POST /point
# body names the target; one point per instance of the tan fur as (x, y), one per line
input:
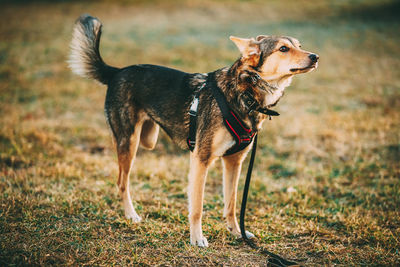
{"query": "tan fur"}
(247, 47)
(278, 64)
(149, 134)
(222, 141)
(197, 180)
(125, 158)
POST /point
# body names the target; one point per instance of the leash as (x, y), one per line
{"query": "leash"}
(273, 259)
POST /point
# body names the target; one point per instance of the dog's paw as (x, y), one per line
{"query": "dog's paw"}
(249, 235)
(237, 233)
(200, 242)
(133, 216)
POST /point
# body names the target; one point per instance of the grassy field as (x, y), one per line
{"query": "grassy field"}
(325, 190)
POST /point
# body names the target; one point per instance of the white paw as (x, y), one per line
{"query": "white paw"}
(237, 233)
(249, 235)
(133, 216)
(200, 242)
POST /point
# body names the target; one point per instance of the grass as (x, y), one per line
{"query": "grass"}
(326, 186)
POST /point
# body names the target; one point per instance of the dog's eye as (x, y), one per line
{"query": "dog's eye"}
(284, 48)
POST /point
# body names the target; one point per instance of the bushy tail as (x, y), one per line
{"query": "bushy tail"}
(85, 59)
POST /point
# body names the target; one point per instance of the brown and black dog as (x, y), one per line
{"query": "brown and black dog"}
(141, 98)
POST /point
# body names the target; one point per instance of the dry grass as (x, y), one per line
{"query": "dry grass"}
(337, 142)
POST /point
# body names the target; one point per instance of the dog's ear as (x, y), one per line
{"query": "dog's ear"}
(260, 37)
(247, 47)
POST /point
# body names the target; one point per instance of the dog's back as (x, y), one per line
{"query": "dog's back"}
(162, 93)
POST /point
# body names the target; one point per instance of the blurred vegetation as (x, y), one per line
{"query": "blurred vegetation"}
(326, 186)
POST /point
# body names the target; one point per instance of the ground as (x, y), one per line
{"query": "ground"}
(326, 187)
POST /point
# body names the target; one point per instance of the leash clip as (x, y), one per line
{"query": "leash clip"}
(195, 103)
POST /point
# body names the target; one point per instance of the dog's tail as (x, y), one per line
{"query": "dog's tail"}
(85, 59)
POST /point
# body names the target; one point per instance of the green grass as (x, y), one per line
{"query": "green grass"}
(326, 186)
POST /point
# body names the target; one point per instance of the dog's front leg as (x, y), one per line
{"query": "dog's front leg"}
(232, 166)
(197, 179)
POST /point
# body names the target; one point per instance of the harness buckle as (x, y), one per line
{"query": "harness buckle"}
(202, 86)
(245, 139)
(194, 106)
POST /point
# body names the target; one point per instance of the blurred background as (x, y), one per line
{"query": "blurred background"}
(326, 186)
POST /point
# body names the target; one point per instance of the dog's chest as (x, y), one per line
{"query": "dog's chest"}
(222, 141)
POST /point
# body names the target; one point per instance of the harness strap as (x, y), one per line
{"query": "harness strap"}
(191, 140)
(237, 128)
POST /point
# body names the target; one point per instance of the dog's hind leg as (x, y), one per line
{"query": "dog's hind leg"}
(126, 149)
(149, 134)
(231, 167)
(126, 125)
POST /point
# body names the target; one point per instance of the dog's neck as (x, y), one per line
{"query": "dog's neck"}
(272, 96)
(229, 82)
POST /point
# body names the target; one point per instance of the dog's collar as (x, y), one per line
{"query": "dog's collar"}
(251, 103)
(253, 106)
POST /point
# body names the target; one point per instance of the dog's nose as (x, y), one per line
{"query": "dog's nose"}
(313, 57)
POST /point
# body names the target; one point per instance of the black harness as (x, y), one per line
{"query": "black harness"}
(242, 134)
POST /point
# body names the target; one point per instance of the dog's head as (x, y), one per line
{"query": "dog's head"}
(274, 58)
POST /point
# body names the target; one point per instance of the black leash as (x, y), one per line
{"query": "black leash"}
(273, 259)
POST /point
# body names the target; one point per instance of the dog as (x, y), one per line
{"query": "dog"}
(142, 98)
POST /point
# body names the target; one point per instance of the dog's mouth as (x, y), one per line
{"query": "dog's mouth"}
(310, 67)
